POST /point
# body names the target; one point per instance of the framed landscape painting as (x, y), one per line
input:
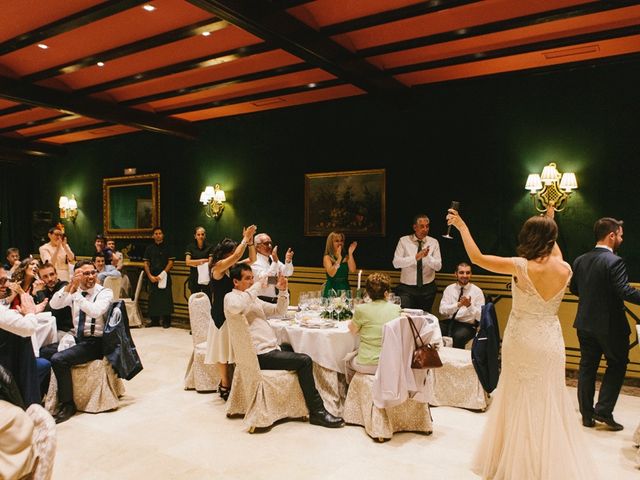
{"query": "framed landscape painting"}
(350, 202)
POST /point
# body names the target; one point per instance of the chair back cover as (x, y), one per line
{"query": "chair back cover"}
(199, 317)
(114, 284)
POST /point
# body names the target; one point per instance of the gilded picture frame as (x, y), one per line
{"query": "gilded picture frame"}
(351, 202)
(131, 205)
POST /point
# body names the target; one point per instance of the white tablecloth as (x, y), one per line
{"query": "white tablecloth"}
(46, 332)
(326, 346)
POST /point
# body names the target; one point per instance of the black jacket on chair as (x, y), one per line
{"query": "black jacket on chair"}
(600, 280)
(117, 344)
(486, 347)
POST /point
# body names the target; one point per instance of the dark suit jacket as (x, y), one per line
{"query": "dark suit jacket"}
(600, 280)
(486, 348)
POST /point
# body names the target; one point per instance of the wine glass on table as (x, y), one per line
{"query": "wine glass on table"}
(454, 206)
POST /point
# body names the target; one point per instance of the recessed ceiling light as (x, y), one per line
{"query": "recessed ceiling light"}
(206, 34)
(43, 46)
(312, 85)
(100, 64)
(148, 7)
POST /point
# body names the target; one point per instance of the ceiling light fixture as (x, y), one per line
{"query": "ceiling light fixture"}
(100, 64)
(206, 34)
(148, 7)
(43, 46)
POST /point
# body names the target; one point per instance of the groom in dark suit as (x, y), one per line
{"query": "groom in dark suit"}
(600, 280)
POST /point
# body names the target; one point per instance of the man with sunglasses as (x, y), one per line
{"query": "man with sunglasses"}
(89, 302)
(268, 265)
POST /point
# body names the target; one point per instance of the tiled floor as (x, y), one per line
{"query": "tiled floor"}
(163, 432)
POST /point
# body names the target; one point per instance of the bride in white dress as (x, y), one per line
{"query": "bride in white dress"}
(533, 430)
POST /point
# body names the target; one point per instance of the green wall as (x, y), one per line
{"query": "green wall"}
(473, 141)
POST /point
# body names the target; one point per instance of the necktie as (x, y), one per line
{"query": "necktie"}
(459, 298)
(419, 281)
(81, 319)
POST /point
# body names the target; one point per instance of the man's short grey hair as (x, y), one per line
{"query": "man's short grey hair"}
(259, 238)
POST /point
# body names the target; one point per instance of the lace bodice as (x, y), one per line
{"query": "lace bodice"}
(526, 299)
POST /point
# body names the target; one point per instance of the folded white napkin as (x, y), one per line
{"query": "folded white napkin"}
(203, 274)
(162, 283)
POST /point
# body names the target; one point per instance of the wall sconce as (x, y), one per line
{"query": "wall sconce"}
(212, 198)
(68, 208)
(551, 189)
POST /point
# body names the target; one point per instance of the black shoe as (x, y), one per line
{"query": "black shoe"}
(609, 421)
(325, 419)
(588, 422)
(166, 325)
(67, 411)
(153, 324)
(224, 392)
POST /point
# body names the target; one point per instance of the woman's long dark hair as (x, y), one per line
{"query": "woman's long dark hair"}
(20, 275)
(222, 249)
(537, 237)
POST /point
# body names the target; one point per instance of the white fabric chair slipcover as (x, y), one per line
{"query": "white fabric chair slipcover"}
(200, 376)
(408, 415)
(133, 309)
(44, 442)
(263, 396)
(96, 388)
(456, 383)
(114, 284)
(636, 442)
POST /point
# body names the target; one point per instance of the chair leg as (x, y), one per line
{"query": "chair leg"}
(252, 429)
(381, 440)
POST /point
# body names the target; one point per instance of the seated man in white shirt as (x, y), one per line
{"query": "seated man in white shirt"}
(243, 300)
(103, 269)
(460, 307)
(89, 303)
(268, 265)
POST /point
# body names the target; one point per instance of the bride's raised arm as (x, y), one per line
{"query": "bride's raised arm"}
(492, 263)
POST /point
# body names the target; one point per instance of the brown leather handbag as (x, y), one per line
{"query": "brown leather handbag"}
(425, 355)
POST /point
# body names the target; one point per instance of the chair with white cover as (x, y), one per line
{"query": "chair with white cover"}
(262, 396)
(404, 413)
(96, 387)
(200, 376)
(114, 284)
(44, 442)
(133, 309)
(636, 442)
(456, 384)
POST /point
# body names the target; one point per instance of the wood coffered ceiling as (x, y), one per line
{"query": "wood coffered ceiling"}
(112, 67)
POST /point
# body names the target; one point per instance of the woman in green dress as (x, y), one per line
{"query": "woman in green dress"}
(336, 265)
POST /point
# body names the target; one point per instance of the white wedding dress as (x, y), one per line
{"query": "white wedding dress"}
(533, 431)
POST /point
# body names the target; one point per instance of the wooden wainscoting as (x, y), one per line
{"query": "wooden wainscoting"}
(497, 286)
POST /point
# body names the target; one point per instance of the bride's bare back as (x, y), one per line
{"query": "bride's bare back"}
(549, 275)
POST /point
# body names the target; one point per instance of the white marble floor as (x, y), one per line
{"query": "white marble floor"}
(161, 431)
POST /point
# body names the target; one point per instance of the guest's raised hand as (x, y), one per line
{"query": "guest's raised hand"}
(248, 233)
(288, 257)
(453, 218)
(274, 254)
(352, 247)
(27, 305)
(38, 285)
(282, 283)
(42, 305)
(339, 253)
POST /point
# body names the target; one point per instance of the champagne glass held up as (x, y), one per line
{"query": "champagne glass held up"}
(454, 206)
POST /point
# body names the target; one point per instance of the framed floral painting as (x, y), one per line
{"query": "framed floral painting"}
(350, 202)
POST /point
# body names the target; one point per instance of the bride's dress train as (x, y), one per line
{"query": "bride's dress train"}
(533, 430)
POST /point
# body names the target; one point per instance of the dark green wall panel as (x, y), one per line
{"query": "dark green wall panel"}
(473, 141)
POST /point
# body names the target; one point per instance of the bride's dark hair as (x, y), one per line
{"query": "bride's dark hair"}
(537, 237)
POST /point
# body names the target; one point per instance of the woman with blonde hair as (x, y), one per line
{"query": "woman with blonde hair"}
(337, 266)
